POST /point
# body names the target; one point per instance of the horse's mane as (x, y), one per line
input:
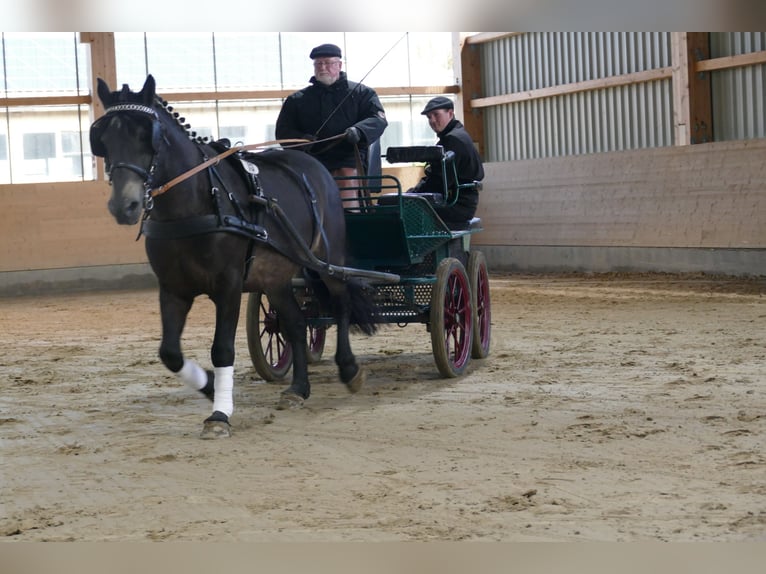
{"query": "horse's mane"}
(165, 107)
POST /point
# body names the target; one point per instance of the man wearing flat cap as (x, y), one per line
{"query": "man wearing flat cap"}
(334, 106)
(440, 112)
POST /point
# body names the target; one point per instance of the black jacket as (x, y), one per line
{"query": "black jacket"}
(346, 104)
(455, 138)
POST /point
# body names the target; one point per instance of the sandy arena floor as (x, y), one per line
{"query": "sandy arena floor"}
(611, 407)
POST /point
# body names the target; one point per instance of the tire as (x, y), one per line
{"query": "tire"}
(270, 353)
(480, 303)
(451, 319)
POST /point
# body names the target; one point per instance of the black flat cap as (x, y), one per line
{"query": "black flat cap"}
(438, 103)
(325, 51)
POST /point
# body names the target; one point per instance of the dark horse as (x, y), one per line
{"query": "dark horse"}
(244, 222)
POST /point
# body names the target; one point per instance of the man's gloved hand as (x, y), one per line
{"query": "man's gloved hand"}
(352, 135)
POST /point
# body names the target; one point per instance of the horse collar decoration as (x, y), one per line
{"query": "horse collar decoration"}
(213, 235)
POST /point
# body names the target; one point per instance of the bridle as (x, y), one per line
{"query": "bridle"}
(158, 138)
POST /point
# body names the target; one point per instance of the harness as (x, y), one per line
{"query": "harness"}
(246, 220)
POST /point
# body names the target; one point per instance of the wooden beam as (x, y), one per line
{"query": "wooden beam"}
(44, 101)
(601, 83)
(681, 116)
(473, 117)
(417, 90)
(221, 96)
(281, 94)
(484, 37)
(700, 90)
(104, 66)
(751, 59)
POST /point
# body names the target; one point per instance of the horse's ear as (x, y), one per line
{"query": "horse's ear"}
(103, 91)
(147, 92)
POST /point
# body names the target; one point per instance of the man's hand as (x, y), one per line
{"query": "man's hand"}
(353, 136)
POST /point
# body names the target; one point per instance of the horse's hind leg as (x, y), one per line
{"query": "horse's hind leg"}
(293, 325)
(174, 311)
(349, 371)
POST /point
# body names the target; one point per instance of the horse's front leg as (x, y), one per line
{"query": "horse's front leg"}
(174, 310)
(222, 354)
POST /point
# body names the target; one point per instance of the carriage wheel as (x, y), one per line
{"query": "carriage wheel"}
(451, 319)
(317, 337)
(482, 314)
(271, 354)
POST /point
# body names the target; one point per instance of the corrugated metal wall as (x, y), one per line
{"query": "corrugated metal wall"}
(609, 119)
(602, 120)
(738, 93)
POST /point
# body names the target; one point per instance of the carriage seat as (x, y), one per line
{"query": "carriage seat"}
(435, 199)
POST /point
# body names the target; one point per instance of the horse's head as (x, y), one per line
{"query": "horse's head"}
(129, 137)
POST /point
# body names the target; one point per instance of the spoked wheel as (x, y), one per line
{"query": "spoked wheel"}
(482, 314)
(271, 354)
(451, 318)
(317, 337)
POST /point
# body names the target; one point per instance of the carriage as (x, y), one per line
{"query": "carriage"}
(421, 270)
(273, 224)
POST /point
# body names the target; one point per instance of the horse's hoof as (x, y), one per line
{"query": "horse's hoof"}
(216, 426)
(356, 383)
(289, 401)
(215, 429)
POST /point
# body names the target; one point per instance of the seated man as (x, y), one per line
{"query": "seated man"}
(440, 112)
(333, 105)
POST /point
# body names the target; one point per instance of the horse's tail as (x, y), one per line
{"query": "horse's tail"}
(359, 298)
(363, 307)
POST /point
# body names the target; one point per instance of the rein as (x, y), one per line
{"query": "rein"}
(215, 160)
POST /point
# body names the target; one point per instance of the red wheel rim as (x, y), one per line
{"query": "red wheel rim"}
(276, 350)
(457, 320)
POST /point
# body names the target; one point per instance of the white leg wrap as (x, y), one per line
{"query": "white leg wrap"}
(192, 375)
(224, 385)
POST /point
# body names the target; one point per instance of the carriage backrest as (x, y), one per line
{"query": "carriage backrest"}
(399, 232)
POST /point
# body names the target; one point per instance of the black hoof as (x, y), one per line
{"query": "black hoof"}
(353, 376)
(357, 382)
(216, 426)
(289, 401)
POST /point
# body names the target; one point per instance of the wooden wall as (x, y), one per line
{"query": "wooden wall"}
(64, 225)
(709, 197)
(51, 226)
(702, 196)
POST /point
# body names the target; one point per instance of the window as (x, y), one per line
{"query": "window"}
(39, 146)
(48, 139)
(234, 133)
(70, 143)
(45, 67)
(245, 61)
